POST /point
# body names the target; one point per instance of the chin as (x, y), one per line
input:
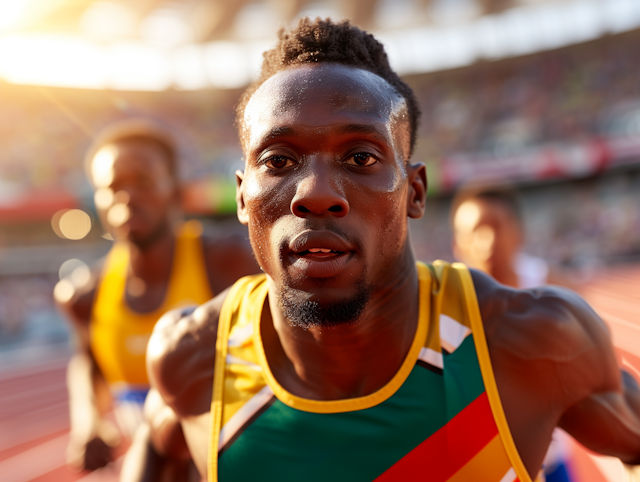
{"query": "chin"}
(324, 308)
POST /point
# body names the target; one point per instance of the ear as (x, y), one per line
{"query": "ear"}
(243, 217)
(417, 193)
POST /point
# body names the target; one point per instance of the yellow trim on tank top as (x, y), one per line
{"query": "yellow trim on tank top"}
(359, 403)
(239, 294)
(482, 351)
(236, 295)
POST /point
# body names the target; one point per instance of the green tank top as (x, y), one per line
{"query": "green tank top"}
(438, 419)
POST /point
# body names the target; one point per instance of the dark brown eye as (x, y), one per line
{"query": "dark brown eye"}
(279, 162)
(362, 159)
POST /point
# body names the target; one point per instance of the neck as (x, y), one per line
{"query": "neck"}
(352, 360)
(153, 261)
(504, 273)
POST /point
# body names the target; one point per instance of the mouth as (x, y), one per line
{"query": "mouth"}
(320, 254)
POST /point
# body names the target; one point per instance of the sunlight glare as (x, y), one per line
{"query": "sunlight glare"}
(51, 60)
(102, 166)
(11, 12)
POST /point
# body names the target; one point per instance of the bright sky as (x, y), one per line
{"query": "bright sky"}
(164, 56)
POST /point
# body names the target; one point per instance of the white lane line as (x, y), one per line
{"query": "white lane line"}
(35, 462)
(22, 371)
(37, 425)
(33, 392)
(26, 407)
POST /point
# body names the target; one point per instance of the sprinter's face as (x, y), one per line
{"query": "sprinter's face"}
(327, 187)
(486, 235)
(135, 191)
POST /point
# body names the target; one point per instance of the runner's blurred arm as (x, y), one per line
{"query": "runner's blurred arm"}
(91, 438)
(158, 450)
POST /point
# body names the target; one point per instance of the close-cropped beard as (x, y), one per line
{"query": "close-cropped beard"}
(304, 313)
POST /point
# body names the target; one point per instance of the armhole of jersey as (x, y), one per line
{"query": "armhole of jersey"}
(482, 350)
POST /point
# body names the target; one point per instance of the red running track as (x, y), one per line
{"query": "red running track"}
(34, 418)
(34, 426)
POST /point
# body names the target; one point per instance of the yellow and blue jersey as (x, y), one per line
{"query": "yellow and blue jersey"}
(119, 335)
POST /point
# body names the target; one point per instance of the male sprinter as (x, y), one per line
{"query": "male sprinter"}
(157, 263)
(346, 360)
(488, 235)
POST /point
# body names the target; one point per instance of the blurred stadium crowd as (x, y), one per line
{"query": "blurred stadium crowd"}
(568, 120)
(573, 94)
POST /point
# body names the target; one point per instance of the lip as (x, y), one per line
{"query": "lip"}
(310, 239)
(320, 265)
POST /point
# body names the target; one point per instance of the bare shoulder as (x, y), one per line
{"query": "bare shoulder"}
(181, 356)
(228, 259)
(549, 326)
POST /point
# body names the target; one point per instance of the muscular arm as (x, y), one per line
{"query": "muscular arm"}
(90, 438)
(180, 363)
(608, 421)
(161, 430)
(555, 366)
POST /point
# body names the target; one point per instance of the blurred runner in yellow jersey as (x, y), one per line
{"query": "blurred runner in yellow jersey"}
(158, 262)
(488, 235)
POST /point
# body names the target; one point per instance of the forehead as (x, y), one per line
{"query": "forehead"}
(317, 95)
(473, 212)
(127, 156)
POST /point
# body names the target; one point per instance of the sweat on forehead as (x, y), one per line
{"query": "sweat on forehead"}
(331, 87)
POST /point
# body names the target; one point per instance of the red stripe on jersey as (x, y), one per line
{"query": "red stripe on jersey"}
(444, 453)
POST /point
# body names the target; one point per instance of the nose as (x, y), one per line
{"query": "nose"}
(122, 197)
(317, 194)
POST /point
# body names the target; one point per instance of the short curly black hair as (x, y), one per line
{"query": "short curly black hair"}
(322, 40)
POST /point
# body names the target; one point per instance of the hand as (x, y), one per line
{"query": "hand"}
(632, 473)
(92, 455)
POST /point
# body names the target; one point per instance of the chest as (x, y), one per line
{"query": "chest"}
(434, 418)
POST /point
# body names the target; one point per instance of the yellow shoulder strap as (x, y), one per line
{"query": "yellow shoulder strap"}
(482, 350)
(230, 308)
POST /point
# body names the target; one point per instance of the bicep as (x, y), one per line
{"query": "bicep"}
(608, 422)
(607, 418)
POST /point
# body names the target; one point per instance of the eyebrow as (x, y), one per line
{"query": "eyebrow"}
(288, 131)
(279, 132)
(358, 129)
(347, 129)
